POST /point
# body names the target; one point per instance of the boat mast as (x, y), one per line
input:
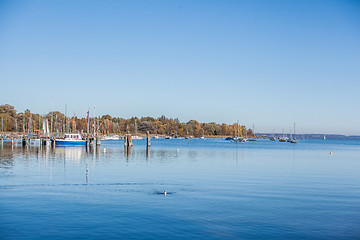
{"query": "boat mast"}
(237, 129)
(87, 116)
(65, 118)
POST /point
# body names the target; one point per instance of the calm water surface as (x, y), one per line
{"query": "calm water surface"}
(216, 190)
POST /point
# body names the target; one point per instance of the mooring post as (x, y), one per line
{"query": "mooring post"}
(98, 140)
(125, 140)
(148, 139)
(130, 142)
(24, 142)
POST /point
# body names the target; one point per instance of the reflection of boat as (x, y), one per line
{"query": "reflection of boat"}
(70, 139)
(111, 137)
(70, 153)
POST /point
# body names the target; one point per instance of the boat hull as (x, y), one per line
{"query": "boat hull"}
(70, 143)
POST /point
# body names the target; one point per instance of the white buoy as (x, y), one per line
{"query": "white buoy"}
(164, 193)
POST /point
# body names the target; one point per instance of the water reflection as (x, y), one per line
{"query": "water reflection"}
(70, 153)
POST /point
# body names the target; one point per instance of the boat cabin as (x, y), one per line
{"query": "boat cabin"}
(72, 136)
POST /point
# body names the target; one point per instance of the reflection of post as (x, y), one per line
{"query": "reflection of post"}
(127, 151)
(147, 152)
(97, 152)
(87, 169)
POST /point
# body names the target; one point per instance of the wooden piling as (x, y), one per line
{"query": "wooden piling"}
(126, 141)
(130, 142)
(98, 140)
(148, 139)
(24, 143)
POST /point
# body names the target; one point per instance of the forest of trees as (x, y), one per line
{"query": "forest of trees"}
(27, 122)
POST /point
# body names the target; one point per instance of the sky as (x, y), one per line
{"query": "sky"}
(264, 63)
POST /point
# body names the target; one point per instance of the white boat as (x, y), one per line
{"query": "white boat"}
(70, 139)
(156, 136)
(202, 137)
(111, 137)
(136, 137)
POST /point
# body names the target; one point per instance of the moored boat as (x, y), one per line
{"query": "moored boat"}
(111, 137)
(136, 137)
(70, 139)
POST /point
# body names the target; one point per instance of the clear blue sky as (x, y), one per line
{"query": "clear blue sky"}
(268, 63)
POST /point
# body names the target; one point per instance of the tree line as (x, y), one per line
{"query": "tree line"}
(27, 122)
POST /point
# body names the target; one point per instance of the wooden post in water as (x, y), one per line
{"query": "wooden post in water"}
(125, 140)
(130, 142)
(24, 142)
(98, 141)
(148, 139)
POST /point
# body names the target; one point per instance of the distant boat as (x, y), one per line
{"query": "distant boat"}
(202, 137)
(272, 138)
(283, 138)
(239, 139)
(111, 137)
(167, 137)
(156, 136)
(293, 140)
(324, 137)
(136, 137)
(70, 139)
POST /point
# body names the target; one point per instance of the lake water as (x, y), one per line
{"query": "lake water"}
(216, 189)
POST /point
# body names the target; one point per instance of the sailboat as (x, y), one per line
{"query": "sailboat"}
(293, 140)
(202, 137)
(136, 137)
(282, 139)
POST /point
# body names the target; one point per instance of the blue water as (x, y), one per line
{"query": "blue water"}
(215, 190)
